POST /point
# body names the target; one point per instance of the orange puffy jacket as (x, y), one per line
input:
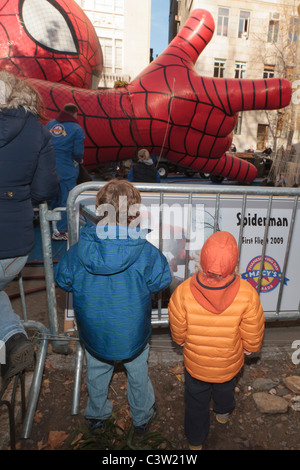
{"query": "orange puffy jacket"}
(216, 314)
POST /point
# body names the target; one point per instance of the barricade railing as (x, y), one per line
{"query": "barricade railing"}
(58, 339)
(270, 194)
(43, 333)
(217, 197)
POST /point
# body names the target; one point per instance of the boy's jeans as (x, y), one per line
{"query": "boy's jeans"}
(10, 322)
(65, 186)
(140, 392)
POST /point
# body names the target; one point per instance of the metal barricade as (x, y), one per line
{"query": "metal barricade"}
(59, 341)
(218, 193)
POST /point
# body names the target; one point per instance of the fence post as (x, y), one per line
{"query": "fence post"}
(59, 345)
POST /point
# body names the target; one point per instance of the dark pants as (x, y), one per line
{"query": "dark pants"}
(197, 404)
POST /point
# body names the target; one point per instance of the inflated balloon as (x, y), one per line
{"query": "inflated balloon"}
(168, 108)
(52, 41)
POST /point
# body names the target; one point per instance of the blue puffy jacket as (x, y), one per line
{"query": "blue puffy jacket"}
(112, 281)
(27, 174)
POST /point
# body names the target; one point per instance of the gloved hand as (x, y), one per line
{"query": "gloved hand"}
(171, 110)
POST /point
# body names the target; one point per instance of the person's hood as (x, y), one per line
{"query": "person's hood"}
(65, 117)
(214, 296)
(146, 162)
(103, 255)
(219, 254)
(12, 122)
(216, 286)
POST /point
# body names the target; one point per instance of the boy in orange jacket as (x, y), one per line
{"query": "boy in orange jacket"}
(217, 317)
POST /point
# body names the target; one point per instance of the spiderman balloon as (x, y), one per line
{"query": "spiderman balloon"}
(49, 40)
(168, 108)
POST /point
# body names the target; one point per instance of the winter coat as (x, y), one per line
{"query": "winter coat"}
(112, 280)
(144, 172)
(28, 174)
(67, 138)
(216, 318)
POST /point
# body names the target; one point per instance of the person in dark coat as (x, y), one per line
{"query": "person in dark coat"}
(144, 171)
(28, 176)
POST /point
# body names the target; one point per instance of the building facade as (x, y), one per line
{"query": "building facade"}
(123, 29)
(252, 39)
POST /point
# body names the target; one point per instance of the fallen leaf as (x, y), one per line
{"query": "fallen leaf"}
(56, 439)
(177, 369)
(49, 365)
(121, 424)
(124, 386)
(68, 382)
(38, 417)
(77, 438)
(40, 445)
(257, 373)
(46, 382)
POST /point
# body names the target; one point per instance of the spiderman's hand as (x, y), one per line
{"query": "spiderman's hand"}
(169, 109)
(193, 116)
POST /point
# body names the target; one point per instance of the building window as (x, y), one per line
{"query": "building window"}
(294, 29)
(273, 27)
(244, 24)
(240, 70)
(111, 6)
(223, 20)
(219, 68)
(262, 134)
(238, 127)
(113, 55)
(118, 56)
(269, 71)
(289, 72)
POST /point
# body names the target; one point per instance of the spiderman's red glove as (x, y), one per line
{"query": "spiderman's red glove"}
(194, 116)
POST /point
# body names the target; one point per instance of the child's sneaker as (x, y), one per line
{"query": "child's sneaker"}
(19, 355)
(61, 236)
(143, 428)
(195, 447)
(223, 418)
(96, 424)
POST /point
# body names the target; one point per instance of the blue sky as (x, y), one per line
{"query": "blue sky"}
(159, 35)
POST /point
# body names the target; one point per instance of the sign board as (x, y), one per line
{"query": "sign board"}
(186, 226)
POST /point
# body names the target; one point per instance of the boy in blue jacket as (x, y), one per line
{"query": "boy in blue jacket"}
(112, 272)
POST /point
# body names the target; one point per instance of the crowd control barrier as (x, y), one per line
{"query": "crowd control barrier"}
(264, 220)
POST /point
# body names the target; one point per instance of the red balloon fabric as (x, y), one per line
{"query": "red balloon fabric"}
(168, 108)
(52, 41)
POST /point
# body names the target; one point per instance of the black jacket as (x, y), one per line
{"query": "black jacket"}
(27, 175)
(144, 173)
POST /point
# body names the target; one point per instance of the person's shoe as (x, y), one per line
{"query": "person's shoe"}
(195, 447)
(143, 428)
(19, 355)
(61, 236)
(223, 418)
(96, 424)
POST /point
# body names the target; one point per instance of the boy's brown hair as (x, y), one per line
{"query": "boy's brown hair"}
(122, 196)
(71, 108)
